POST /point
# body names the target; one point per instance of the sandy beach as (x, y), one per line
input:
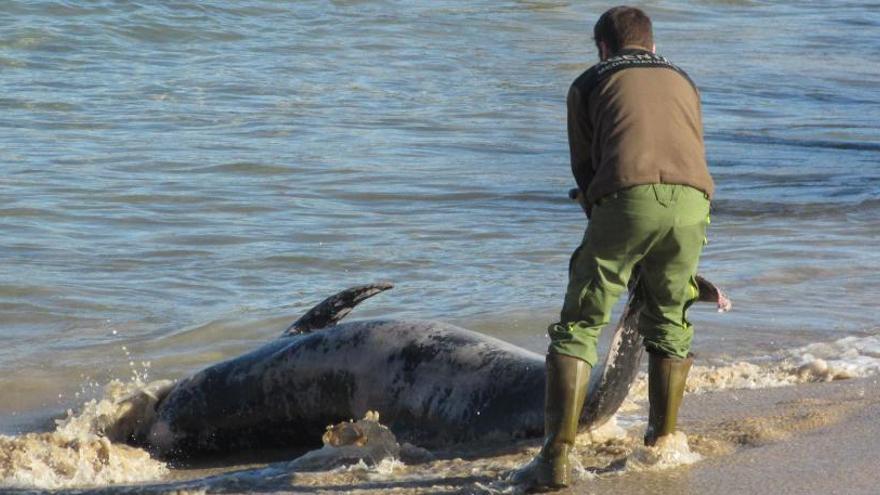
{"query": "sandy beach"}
(800, 420)
(808, 438)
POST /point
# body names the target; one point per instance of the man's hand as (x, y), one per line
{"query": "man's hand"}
(575, 194)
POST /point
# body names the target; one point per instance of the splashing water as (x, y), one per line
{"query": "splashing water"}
(86, 448)
(671, 451)
(81, 451)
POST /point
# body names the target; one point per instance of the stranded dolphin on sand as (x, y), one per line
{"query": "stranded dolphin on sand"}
(433, 383)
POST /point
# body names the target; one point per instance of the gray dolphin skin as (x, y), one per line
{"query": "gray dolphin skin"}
(434, 384)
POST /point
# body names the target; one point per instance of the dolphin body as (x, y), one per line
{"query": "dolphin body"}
(434, 384)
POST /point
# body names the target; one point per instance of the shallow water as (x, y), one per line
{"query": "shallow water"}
(365, 456)
(180, 180)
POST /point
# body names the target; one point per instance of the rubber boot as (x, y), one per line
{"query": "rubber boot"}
(666, 380)
(566, 389)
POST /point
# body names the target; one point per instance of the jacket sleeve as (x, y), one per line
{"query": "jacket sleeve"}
(580, 137)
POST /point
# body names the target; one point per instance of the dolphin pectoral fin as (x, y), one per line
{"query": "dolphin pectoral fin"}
(710, 292)
(329, 311)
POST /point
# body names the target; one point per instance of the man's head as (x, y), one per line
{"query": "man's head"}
(622, 26)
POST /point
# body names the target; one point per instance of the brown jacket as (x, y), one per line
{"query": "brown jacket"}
(635, 119)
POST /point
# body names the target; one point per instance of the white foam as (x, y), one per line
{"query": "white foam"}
(610, 430)
(849, 357)
(79, 452)
(670, 452)
(383, 469)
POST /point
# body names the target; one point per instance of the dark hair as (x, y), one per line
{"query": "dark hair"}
(622, 26)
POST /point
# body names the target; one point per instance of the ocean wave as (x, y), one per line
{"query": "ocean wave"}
(846, 358)
(746, 208)
(801, 143)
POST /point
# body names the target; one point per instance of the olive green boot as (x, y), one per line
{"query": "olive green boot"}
(666, 380)
(567, 379)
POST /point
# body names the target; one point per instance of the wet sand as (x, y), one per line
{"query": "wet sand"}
(809, 438)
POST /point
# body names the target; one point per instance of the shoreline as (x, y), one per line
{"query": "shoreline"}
(805, 438)
(808, 438)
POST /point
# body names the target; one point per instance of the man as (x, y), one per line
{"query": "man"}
(636, 142)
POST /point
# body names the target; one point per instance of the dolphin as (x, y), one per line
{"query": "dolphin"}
(434, 384)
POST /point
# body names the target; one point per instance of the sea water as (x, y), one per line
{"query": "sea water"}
(180, 180)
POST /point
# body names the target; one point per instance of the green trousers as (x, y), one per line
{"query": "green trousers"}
(660, 227)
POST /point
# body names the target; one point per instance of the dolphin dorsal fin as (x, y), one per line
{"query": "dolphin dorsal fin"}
(329, 311)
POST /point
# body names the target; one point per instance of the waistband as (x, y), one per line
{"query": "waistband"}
(663, 193)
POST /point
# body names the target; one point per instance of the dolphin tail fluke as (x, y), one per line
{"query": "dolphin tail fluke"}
(710, 292)
(329, 311)
(613, 378)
